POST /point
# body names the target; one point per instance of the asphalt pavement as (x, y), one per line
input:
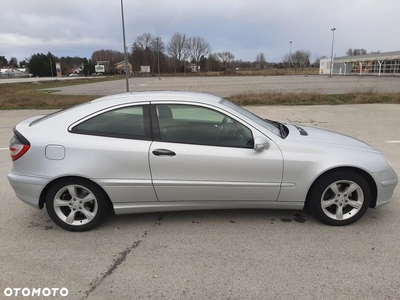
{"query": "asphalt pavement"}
(225, 86)
(232, 254)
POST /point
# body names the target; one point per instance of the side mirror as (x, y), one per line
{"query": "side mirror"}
(261, 143)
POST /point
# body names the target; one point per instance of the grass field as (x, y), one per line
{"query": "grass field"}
(32, 96)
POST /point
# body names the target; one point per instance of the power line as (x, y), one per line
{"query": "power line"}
(41, 49)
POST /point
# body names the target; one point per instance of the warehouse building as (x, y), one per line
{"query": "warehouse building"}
(377, 64)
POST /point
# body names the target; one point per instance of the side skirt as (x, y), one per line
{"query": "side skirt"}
(145, 207)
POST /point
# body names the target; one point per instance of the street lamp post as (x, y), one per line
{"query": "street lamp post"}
(290, 55)
(51, 67)
(158, 57)
(333, 41)
(125, 54)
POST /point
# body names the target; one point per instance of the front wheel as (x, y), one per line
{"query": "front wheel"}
(76, 204)
(340, 197)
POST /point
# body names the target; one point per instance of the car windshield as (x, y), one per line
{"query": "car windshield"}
(270, 125)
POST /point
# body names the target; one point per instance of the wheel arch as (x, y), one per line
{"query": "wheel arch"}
(371, 182)
(42, 199)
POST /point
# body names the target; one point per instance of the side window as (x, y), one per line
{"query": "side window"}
(126, 122)
(192, 124)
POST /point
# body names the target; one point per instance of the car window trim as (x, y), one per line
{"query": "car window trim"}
(154, 123)
(156, 128)
(146, 119)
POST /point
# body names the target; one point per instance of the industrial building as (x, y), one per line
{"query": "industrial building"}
(377, 64)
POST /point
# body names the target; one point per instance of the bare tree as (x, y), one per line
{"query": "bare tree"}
(354, 52)
(298, 60)
(143, 41)
(260, 61)
(225, 58)
(111, 56)
(198, 47)
(178, 48)
(142, 53)
(317, 60)
(157, 47)
(301, 59)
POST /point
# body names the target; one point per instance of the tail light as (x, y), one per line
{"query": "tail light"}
(18, 148)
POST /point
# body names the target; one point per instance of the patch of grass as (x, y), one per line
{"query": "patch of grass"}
(29, 95)
(276, 98)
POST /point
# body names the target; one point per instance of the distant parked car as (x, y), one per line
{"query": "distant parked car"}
(165, 151)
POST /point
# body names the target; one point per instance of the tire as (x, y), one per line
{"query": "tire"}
(340, 197)
(76, 204)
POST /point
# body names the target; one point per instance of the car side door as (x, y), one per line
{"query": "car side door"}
(111, 147)
(200, 153)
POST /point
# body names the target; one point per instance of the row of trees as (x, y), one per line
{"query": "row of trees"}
(298, 60)
(147, 48)
(43, 65)
(173, 56)
(354, 52)
(12, 63)
(150, 50)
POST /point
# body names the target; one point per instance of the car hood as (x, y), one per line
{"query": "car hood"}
(308, 134)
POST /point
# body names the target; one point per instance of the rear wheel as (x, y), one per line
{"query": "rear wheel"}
(76, 204)
(340, 197)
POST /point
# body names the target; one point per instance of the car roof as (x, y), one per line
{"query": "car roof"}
(84, 109)
(159, 96)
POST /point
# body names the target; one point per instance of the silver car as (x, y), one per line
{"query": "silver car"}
(168, 151)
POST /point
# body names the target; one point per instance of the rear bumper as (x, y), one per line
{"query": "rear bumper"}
(27, 188)
(386, 183)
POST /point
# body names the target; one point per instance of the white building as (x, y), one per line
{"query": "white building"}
(377, 64)
(14, 73)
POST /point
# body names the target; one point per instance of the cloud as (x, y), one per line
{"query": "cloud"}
(243, 27)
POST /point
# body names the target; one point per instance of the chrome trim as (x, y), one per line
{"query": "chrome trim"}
(158, 182)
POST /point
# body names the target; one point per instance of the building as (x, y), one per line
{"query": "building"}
(387, 63)
(193, 67)
(14, 73)
(120, 67)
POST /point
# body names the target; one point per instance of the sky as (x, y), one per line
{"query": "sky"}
(243, 27)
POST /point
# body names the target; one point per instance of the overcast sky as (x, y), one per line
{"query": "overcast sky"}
(244, 27)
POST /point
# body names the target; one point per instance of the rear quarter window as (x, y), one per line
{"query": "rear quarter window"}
(126, 122)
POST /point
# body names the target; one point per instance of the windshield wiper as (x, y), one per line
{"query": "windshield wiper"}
(280, 126)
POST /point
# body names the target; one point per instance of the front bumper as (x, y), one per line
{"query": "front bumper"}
(27, 188)
(386, 182)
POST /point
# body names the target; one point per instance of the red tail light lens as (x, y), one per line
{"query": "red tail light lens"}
(17, 148)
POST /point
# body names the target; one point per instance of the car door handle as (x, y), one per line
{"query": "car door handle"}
(163, 152)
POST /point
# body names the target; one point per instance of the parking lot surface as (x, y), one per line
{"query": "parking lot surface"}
(225, 86)
(232, 254)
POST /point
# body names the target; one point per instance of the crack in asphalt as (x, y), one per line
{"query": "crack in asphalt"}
(116, 262)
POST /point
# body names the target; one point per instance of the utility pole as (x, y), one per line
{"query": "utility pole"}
(333, 41)
(158, 57)
(51, 67)
(290, 55)
(125, 54)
